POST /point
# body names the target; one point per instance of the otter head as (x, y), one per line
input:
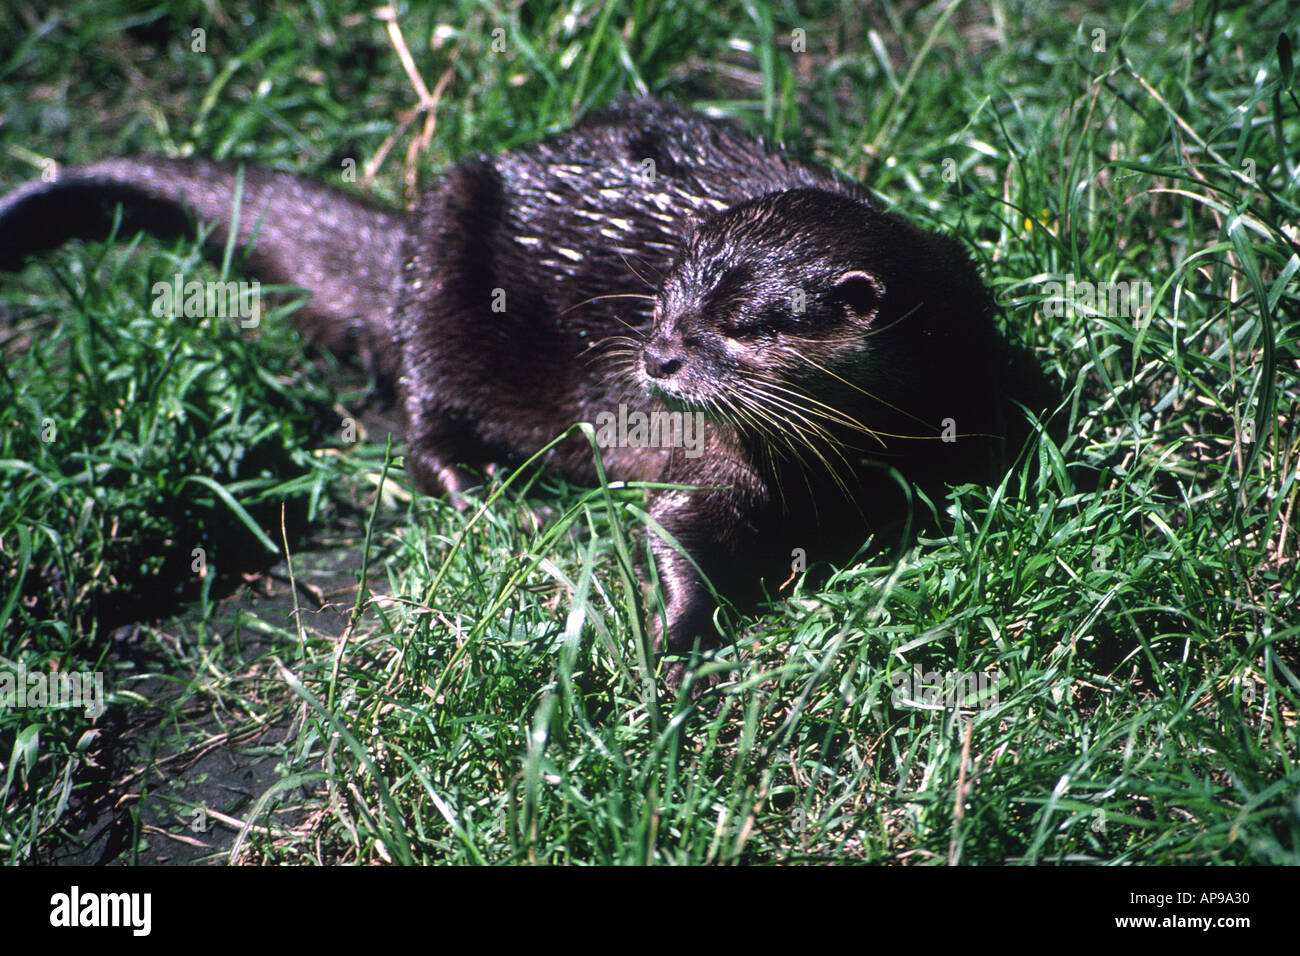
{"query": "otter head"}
(768, 310)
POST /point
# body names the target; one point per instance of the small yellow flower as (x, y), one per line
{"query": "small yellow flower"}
(1042, 221)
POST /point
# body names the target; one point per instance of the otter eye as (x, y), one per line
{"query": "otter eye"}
(861, 292)
(739, 330)
(746, 328)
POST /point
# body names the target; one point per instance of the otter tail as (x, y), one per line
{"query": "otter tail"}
(343, 250)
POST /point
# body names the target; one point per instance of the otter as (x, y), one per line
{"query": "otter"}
(649, 262)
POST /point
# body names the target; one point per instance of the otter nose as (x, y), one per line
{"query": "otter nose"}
(661, 359)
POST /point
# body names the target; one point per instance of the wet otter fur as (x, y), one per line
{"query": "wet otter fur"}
(650, 260)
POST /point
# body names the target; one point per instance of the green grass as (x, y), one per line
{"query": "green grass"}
(1131, 587)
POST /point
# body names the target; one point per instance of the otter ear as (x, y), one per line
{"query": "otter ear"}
(861, 293)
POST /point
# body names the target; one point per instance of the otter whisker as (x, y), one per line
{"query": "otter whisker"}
(885, 328)
(784, 421)
(601, 298)
(770, 393)
(638, 275)
(807, 431)
(812, 435)
(874, 398)
(820, 409)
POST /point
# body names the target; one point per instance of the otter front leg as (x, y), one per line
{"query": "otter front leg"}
(436, 443)
(718, 528)
(688, 604)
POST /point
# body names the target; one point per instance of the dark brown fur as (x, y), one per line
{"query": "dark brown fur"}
(549, 285)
